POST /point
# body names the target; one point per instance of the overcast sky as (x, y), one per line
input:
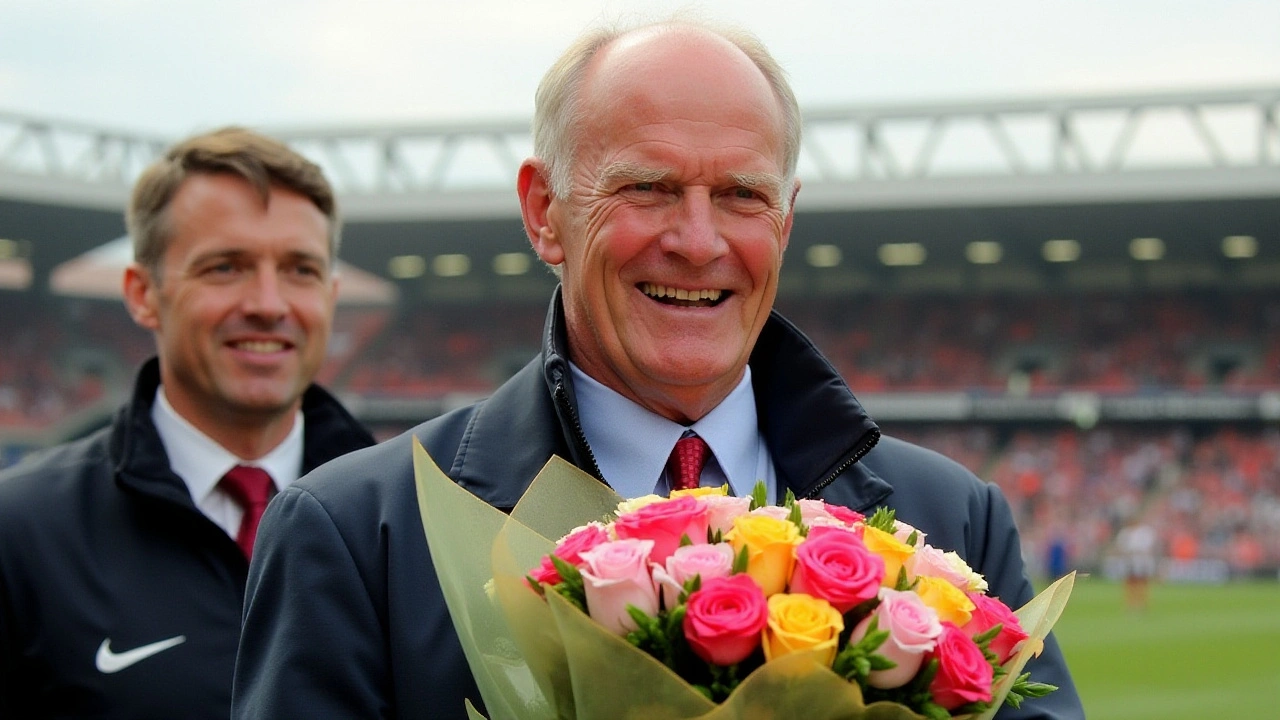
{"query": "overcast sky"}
(176, 66)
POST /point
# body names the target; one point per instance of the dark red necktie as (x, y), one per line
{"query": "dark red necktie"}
(686, 461)
(251, 487)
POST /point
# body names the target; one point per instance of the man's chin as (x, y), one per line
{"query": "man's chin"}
(266, 403)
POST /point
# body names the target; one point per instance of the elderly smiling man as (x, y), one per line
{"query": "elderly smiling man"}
(662, 195)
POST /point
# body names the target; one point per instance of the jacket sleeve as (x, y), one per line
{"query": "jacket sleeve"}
(11, 704)
(998, 556)
(312, 643)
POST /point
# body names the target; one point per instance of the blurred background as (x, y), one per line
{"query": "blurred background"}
(1041, 238)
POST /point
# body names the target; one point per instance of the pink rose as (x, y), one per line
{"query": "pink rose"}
(777, 512)
(903, 532)
(545, 574)
(617, 575)
(707, 561)
(570, 549)
(665, 523)
(833, 564)
(987, 613)
(817, 512)
(913, 629)
(724, 620)
(964, 675)
(722, 509)
(845, 515)
(929, 560)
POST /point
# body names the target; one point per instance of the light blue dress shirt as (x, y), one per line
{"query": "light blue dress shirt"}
(632, 444)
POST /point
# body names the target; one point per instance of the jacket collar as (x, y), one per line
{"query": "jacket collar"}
(816, 429)
(508, 439)
(141, 464)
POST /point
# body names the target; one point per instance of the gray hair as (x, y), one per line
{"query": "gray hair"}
(557, 114)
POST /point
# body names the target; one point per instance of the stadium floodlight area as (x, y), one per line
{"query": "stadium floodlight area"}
(1138, 147)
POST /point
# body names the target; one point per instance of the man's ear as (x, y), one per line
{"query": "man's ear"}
(140, 296)
(534, 190)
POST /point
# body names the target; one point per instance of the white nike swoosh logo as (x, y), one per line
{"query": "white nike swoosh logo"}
(109, 662)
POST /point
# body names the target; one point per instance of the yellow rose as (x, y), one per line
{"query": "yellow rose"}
(801, 623)
(893, 551)
(770, 545)
(700, 491)
(946, 599)
(634, 504)
(975, 581)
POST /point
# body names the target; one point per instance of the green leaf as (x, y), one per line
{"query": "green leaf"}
(691, 586)
(1024, 688)
(984, 639)
(882, 519)
(880, 662)
(740, 561)
(857, 660)
(797, 519)
(902, 584)
(643, 620)
(934, 711)
(685, 541)
(759, 495)
(537, 586)
(570, 585)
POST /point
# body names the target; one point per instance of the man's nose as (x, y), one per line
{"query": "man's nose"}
(264, 297)
(695, 236)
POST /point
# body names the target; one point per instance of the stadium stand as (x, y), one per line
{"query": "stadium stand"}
(1097, 390)
(1211, 489)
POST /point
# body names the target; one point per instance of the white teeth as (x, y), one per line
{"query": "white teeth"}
(662, 291)
(261, 346)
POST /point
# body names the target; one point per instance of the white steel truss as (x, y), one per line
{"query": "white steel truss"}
(1190, 144)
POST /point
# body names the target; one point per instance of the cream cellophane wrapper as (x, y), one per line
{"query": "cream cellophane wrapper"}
(534, 658)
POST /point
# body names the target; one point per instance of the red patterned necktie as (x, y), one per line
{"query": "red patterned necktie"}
(251, 487)
(686, 461)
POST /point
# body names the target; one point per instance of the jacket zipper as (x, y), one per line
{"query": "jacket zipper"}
(562, 399)
(868, 441)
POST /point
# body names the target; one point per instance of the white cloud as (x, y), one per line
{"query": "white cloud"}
(174, 67)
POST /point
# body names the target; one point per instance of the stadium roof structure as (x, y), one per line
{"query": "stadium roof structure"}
(1160, 190)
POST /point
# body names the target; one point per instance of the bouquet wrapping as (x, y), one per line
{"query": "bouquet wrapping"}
(537, 654)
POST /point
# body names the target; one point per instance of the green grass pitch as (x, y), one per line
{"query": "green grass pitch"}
(1196, 651)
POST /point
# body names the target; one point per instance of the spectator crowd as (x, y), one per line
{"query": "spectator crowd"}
(1211, 491)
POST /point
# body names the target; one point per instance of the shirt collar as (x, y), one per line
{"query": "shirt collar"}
(201, 462)
(631, 444)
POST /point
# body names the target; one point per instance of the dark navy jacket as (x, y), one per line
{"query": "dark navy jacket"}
(100, 540)
(344, 616)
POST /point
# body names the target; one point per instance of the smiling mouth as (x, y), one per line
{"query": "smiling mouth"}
(679, 297)
(260, 346)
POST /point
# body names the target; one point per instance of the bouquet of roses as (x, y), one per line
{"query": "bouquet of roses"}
(706, 605)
